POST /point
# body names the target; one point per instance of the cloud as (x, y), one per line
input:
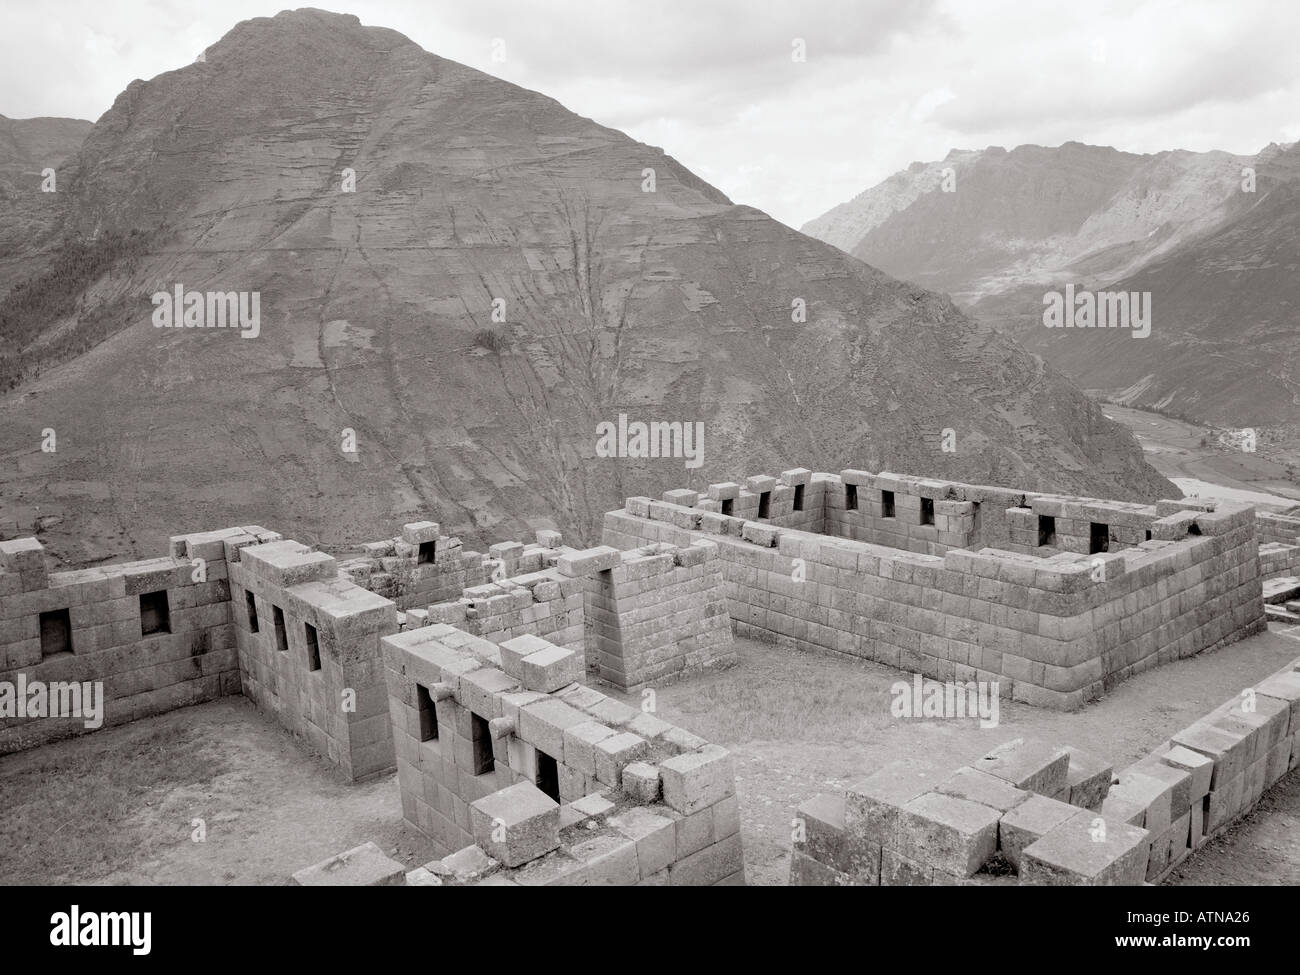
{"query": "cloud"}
(713, 83)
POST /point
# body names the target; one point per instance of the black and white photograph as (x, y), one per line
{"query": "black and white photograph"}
(809, 443)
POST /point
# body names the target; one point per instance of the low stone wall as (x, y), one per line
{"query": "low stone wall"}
(1276, 559)
(542, 600)
(795, 499)
(501, 747)
(417, 567)
(658, 613)
(128, 640)
(309, 650)
(1032, 813)
(1052, 631)
(1282, 529)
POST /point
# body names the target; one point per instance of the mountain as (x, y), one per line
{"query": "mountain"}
(1218, 260)
(472, 196)
(29, 147)
(1224, 344)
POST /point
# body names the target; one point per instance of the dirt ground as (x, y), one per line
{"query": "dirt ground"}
(838, 727)
(118, 807)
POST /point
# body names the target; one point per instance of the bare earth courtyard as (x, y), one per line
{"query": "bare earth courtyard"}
(120, 807)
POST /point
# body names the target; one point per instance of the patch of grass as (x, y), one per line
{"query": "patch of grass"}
(73, 814)
(823, 703)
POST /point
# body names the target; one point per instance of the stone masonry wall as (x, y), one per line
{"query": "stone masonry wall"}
(417, 567)
(309, 649)
(89, 625)
(535, 598)
(932, 516)
(1055, 816)
(658, 613)
(1278, 528)
(500, 746)
(1052, 631)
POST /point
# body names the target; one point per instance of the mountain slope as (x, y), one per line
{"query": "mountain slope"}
(377, 318)
(1225, 335)
(28, 147)
(1219, 262)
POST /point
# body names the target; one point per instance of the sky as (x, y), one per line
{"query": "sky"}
(719, 84)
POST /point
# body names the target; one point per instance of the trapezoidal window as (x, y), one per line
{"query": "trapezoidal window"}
(1046, 530)
(313, 647)
(1098, 538)
(56, 633)
(481, 738)
(927, 511)
(251, 603)
(728, 505)
(155, 615)
(764, 504)
(798, 497)
(281, 638)
(886, 504)
(428, 714)
(548, 775)
(850, 497)
(426, 554)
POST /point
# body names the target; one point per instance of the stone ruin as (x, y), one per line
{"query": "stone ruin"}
(1033, 813)
(1053, 598)
(470, 673)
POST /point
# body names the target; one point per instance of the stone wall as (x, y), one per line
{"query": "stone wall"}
(500, 746)
(1282, 529)
(417, 567)
(1053, 631)
(309, 650)
(658, 613)
(156, 633)
(541, 600)
(1036, 814)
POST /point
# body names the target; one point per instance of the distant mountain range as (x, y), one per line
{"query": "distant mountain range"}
(1212, 236)
(503, 276)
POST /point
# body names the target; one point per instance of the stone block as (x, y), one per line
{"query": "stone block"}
(1029, 764)
(362, 866)
(549, 670)
(641, 781)
(1029, 822)
(1199, 767)
(1154, 795)
(1087, 850)
(872, 803)
(976, 786)
(419, 532)
(616, 752)
(954, 835)
(1088, 778)
(514, 650)
(697, 779)
(580, 742)
(589, 561)
(655, 837)
(516, 824)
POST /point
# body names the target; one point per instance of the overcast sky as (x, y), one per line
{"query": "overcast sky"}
(713, 82)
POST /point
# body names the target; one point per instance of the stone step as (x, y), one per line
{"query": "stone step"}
(1279, 615)
(1279, 591)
